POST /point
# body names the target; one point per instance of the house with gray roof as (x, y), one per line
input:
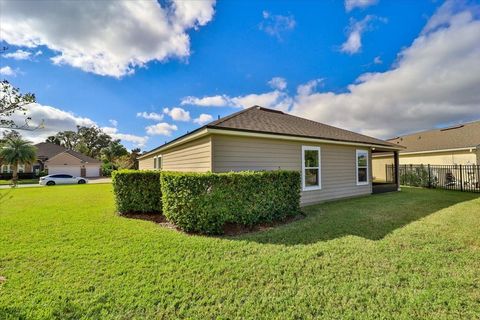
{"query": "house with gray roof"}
(334, 163)
(56, 159)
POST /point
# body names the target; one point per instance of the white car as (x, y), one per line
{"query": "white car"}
(54, 179)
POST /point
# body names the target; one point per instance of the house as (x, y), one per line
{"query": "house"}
(59, 160)
(334, 163)
(454, 145)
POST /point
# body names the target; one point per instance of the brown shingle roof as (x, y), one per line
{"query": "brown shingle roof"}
(263, 120)
(47, 150)
(461, 136)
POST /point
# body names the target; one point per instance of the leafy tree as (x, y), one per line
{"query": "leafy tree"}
(11, 100)
(14, 150)
(134, 157)
(124, 162)
(113, 151)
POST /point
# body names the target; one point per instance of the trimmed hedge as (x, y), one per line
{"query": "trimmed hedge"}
(204, 202)
(137, 191)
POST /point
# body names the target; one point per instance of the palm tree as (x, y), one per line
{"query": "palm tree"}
(14, 151)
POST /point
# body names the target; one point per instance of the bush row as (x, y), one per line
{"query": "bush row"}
(137, 191)
(205, 202)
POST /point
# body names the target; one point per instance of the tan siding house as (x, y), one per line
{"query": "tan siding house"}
(330, 168)
(447, 146)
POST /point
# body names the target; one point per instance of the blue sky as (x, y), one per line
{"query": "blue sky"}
(333, 61)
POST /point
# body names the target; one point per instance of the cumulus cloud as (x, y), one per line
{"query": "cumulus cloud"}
(150, 116)
(113, 122)
(177, 114)
(203, 118)
(277, 25)
(163, 129)
(353, 44)
(7, 71)
(109, 38)
(434, 81)
(18, 55)
(212, 101)
(137, 141)
(278, 83)
(273, 99)
(55, 120)
(352, 4)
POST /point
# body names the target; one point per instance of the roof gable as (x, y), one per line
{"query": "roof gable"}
(48, 150)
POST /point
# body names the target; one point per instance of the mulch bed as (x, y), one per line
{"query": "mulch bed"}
(229, 229)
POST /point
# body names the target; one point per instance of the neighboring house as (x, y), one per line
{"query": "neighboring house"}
(334, 163)
(455, 145)
(59, 160)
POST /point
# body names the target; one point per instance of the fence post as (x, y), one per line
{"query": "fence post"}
(461, 178)
(429, 177)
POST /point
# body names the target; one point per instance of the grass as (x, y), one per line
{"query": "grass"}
(22, 181)
(64, 254)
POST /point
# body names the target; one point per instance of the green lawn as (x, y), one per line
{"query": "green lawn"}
(414, 254)
(22, 181)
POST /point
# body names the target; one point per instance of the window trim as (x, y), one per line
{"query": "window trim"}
(358, 151)
(319, 186)
(157, 163)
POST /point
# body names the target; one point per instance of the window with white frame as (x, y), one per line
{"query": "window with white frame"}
(311, 173)
(362, 167)
(5, 168)
(21, 168)
(157, 162)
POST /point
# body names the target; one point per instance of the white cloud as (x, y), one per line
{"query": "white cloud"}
(163, 129)
(377, 60)
(278, 83)
(203, 118)
(276, 25)
(108, 38)
(212, 101)
(434, 81)
(150, 116)
(113, 122)
(55, 120)
(309, 87)
(18, 55)
(137, 141)
(273, 99)
(177, 114)
(7, 71)
(352, 4)
(355, 30)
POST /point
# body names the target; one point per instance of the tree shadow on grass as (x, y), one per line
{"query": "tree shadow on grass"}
(370, 217)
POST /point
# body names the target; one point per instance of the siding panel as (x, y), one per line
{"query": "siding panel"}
(337, 172)
(193, 156)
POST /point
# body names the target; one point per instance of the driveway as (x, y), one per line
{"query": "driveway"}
(90, 180)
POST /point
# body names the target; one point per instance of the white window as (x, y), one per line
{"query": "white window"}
(311, 173)
(5, 168)
(362, 167)
(157, 163)
(21, 168)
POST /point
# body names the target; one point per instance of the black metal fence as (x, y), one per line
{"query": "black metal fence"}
(452, 177)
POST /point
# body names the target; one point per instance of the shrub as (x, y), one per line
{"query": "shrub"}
(204, 202)
(107, 169)
(137, 191)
